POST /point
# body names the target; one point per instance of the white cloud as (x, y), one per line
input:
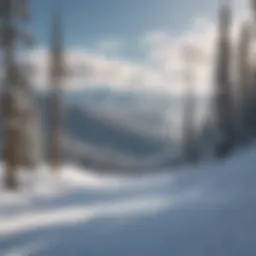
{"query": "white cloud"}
(168, 53)
(87, 68)
(161, 69)
(109, 46)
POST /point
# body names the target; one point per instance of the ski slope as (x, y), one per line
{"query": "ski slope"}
(206, 210)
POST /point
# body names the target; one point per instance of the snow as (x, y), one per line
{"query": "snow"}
(201, 210)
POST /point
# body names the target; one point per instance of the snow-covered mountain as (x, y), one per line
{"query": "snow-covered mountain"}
(107, 140)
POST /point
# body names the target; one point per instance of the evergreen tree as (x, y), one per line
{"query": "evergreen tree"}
(190, 152)
(11, 11)
(253, 82)
(244, 82)
(224, 97)
(55, 106)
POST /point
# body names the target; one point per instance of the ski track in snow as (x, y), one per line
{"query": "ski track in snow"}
(199, 211)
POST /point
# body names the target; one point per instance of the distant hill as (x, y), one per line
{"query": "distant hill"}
(100, 141)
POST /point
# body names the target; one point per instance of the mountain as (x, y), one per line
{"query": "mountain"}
(102, 141)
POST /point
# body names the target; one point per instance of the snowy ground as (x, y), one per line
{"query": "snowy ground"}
(202, 211)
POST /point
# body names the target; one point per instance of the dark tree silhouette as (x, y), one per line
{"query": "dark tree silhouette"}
(224, 98)
(11, 11)
(55, 105)
(253, 82)
(190, 152)
(244, 82)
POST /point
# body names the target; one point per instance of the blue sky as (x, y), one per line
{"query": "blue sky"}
(133, 44)
(87, 21)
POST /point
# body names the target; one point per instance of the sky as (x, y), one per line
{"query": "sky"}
(89, 21)
(131, 44)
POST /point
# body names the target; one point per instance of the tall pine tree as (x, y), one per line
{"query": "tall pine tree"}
(190, 152)
(11, 11)
(244, 82)
(56, 104)
(253, 82)
(223, 97)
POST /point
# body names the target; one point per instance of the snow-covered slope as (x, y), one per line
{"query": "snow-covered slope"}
(206, 210)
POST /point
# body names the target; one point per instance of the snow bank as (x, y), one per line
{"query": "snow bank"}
(206, 210)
